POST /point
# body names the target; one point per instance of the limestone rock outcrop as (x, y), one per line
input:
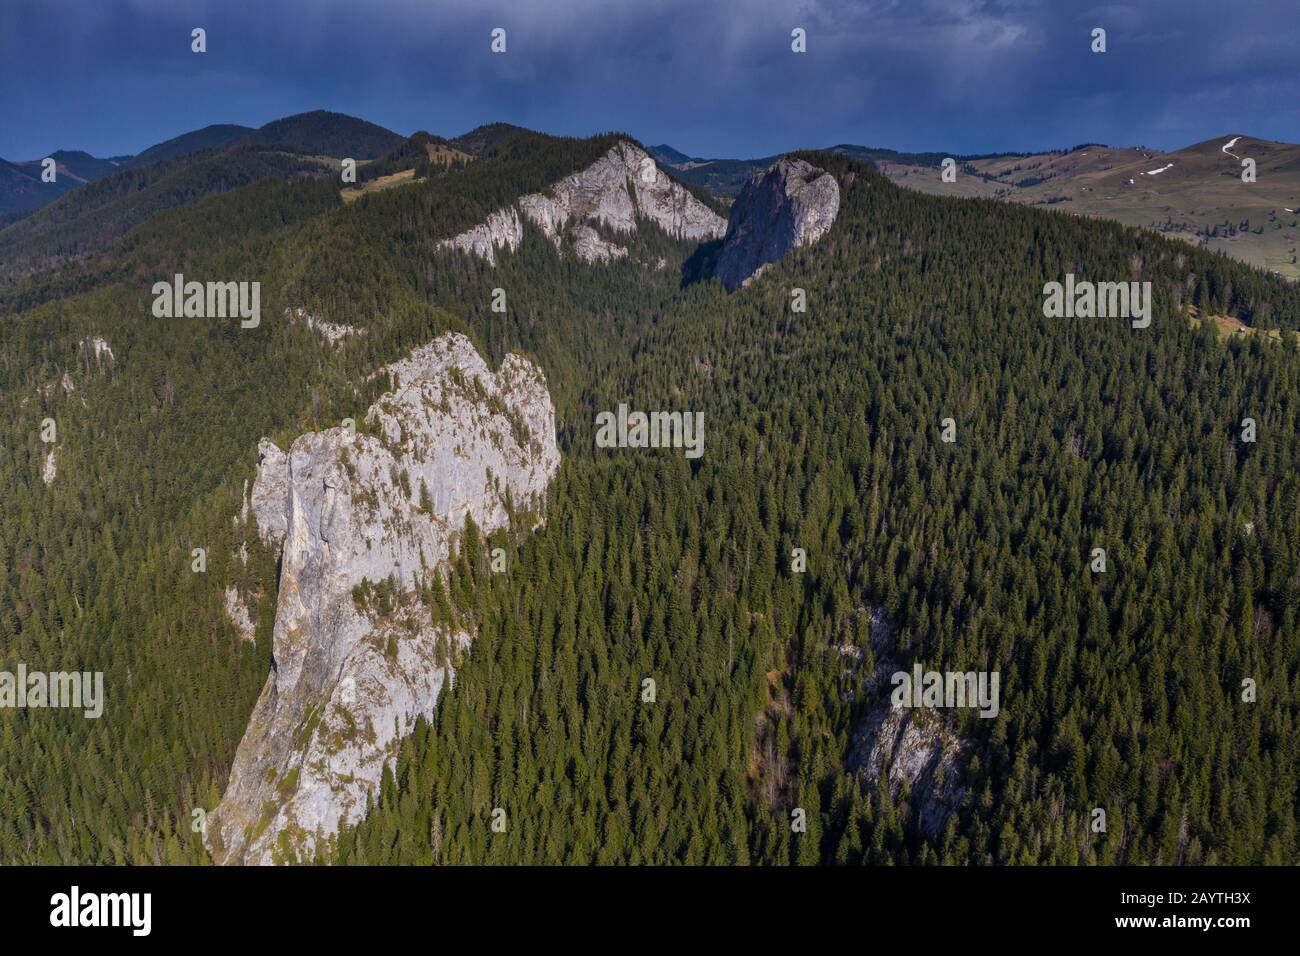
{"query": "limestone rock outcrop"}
(237, 611)
(380, 507)
(99, 348)
(912, 747)
(333, 332)
(617, 191)
(270, 492)
(503, 230)
(789, 204)
(904, 746)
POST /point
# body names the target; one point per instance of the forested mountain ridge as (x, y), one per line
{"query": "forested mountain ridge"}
(88, 218)
(209, 137)
(318, 133)
(323, 133)
(1120, 691)
(181, 170)
(200, 395)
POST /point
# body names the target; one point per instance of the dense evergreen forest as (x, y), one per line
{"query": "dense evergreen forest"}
(1120, 690)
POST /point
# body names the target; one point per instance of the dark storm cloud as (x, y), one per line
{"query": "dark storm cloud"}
(711, 78)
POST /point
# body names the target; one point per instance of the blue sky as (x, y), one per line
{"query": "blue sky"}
(711, 77)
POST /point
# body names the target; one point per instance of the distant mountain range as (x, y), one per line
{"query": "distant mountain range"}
(44, 223)
(318, 133)
(1195, 194)
(725, 177)
(22, 189)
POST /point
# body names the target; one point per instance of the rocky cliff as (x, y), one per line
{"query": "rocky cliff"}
(916, 748)
(503, 230)
(617, 191)
(787, 205)
(383, 505)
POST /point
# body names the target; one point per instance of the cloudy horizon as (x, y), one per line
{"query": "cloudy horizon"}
(963, 76)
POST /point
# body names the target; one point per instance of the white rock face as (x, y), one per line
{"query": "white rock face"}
(51, 468)
(787, 205)
(347, 683)
(589, 247)
(271, 492)
(915, 747)
(503, 230)
(334, 332)
(99, 348)
(620, 188)
(237, 611)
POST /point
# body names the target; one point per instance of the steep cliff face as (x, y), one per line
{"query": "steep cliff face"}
(787, 205)
(350, 511)
(622, 187)
(271, 491)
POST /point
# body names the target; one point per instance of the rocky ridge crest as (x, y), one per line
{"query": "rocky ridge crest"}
(622, 187)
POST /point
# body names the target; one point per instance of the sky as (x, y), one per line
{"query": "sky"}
(713, 78)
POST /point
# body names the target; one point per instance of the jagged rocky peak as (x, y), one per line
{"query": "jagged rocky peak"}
(614, 193)
(789, 204)
(383, 505)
